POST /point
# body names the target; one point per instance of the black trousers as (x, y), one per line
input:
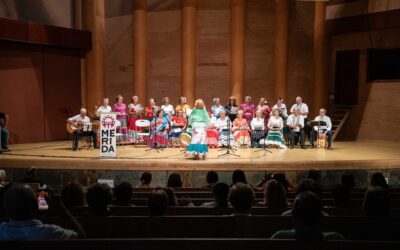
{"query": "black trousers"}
(313, 135)
(77, 134)
(301, 134)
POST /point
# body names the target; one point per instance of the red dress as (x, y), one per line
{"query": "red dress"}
(134, 115)
(212, 135)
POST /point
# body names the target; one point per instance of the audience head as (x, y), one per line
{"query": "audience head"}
(174, 180)
(123, 193)
(157, 202)
(348, 180)
(307, 209)
(2, 176)
(146, 178)
(275, 195)
(98, 198)
(31, 172)
(309, 185)
(315, 175)
(212, 178)
(172, 200)
(238, 176)
(341, 196)
(241, 197)
(72, 195)
(221, 192)
(376, 202)
(379, 180)
(20, 203)
(281, 177)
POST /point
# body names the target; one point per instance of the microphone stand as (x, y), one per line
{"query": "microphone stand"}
(154, 135)
(264, 148)
(229, 148)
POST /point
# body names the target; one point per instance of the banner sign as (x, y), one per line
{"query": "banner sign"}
(108, 132)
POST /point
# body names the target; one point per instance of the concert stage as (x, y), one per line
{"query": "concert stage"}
(344, 156)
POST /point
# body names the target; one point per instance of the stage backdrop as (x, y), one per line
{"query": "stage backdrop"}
(38, 84)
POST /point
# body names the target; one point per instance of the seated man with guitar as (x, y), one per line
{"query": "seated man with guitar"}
(79, 126)
(324, 131)
(4, 132)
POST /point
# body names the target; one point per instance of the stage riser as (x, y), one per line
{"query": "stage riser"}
(57, 177)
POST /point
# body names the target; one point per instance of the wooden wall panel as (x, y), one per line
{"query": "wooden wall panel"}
(21, 95)
(61, 89)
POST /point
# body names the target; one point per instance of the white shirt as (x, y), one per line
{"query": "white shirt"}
(223, 124)
(168, 109)
(138, 107)
(78, 118)
(302, 107)
(292, 120)
(103, 109)
(326, 119)
(257, 123)
(274, 123)
(282, 110)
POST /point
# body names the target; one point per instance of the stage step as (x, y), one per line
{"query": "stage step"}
(339, 117)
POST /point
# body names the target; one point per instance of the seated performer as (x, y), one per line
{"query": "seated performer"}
(198, 120)
(275, 130)
(295, 122)
(241, 130)
(80, 121)
(257, 129)
(4, 132)
(324, 131)
(135, 110)
(224, 125)
(212, 133)
(104, 108)
(182, 106)
(159, 126)
(178, 126)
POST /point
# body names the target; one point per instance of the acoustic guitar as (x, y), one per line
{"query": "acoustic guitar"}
(71, 127)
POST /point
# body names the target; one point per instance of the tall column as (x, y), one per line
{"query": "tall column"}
(93, 19)
(140, 49)
(320, 94)
(237, 49)
(77, 21)
(281, 47)
(188, 64)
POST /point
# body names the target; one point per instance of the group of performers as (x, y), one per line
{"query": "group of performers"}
(245, 125)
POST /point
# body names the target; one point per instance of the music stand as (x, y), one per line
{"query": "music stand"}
(318, 124)
(264, 148)
(229, 148)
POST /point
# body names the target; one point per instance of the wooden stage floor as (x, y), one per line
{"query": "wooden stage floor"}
(345, 155)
